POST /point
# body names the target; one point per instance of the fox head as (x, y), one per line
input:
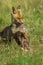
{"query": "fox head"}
(17, 12)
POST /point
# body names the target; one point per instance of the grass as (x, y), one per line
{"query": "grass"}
(11, 54)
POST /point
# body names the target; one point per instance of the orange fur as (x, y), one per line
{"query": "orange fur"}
(18, 15)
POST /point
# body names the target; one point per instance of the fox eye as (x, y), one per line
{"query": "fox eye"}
(15, 12)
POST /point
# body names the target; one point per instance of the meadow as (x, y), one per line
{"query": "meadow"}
(11, 53)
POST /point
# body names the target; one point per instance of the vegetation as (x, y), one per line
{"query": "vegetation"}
(11, 53)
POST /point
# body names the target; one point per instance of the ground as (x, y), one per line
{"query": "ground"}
(11, 53)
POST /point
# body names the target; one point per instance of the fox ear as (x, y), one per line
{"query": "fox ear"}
(13, 8)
